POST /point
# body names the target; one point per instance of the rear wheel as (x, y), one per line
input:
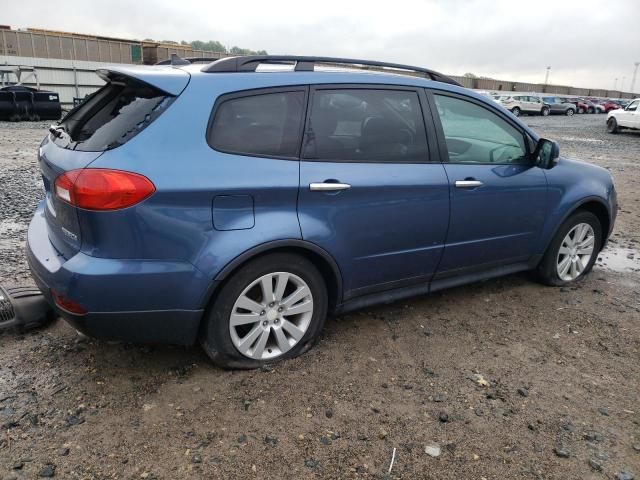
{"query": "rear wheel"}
(612, 125)
(580, 110)
(569, 112)
(544, 112)
(516, 111)
(271, 309)
(573, 250)
(591, 110)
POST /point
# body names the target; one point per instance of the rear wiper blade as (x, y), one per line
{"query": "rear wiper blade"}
(57, 130)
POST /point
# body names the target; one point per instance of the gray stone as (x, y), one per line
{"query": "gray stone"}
(48, 471)
(432, 450)
(595, 465)
(624, 475)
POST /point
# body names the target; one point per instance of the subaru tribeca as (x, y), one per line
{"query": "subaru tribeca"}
(239, 203)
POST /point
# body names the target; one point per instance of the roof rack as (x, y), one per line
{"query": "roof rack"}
(249, 63)
(177, 60)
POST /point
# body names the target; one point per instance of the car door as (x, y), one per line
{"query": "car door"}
(554, 106)
(631, 114)
(498, 196)
(536, 104)
(371, 193)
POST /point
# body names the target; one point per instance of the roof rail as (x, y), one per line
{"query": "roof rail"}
(186, 60)
(249, 63)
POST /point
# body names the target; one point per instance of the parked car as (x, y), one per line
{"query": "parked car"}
(581, 105)
(489, 95)
(558, 106)
(629, 117)
(591, 107)
(215, 204)
(608, 105)
(519, 104)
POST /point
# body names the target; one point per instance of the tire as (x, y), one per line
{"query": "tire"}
(544, 112)
(591, 110)
(516, 111)
(569, 112)
(581, 110)
(219, 338)
(548, 269)
(612, 125)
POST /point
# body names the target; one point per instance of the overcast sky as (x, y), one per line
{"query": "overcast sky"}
(587, 43)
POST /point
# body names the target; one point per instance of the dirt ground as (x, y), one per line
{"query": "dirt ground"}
(507, 379)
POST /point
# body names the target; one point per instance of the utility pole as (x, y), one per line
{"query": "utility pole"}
(615, 84)
(633, 79)
(546, 77)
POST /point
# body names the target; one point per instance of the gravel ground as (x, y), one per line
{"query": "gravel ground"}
(504, 379)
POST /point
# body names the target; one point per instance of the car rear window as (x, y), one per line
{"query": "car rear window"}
(266, 124)
(112, 116)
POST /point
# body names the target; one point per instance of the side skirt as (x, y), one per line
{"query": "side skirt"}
(396, 294)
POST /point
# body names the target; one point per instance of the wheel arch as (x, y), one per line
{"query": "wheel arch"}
(325, 263)
(595, 205)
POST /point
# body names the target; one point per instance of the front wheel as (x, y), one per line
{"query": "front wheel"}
(573, 250)
(570, 112)
(544, 112)
(515, 111)
(581, 110)
(271, 309)
(612, 125)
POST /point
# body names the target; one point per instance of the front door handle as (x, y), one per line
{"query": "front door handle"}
(468, 183)
(328, 187)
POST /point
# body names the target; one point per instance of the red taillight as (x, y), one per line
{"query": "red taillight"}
(102, 189)
(67, 304)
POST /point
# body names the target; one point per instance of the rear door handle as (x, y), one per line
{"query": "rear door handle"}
(468, 183)
(328, 187)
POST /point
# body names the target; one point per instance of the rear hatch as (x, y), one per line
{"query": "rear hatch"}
(129, 102)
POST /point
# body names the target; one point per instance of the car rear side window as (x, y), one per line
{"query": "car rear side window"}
(367, 126)
(267, 124)
(112, 116)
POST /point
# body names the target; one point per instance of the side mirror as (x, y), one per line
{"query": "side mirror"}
(546, 154)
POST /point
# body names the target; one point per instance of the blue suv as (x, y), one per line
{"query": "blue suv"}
(241, 202)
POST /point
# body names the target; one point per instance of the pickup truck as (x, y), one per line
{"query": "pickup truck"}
(628, 117)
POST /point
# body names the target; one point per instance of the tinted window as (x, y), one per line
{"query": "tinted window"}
(633, 106)
(266, 124)
(474, 134)
(112, 116)
(366, 125)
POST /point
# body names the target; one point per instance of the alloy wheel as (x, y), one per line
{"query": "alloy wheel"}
(271, 315)
(575, 252)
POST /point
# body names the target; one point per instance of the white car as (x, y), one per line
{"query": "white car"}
(627, 118)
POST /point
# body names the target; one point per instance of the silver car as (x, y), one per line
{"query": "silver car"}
(520, 104)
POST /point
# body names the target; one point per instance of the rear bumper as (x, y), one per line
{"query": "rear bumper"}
(130, 300)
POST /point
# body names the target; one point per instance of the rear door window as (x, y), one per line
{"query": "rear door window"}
(259, 124)
(366, 125)
(112, 116)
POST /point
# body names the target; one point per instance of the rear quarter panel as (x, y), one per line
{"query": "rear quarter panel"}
(176, 222)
